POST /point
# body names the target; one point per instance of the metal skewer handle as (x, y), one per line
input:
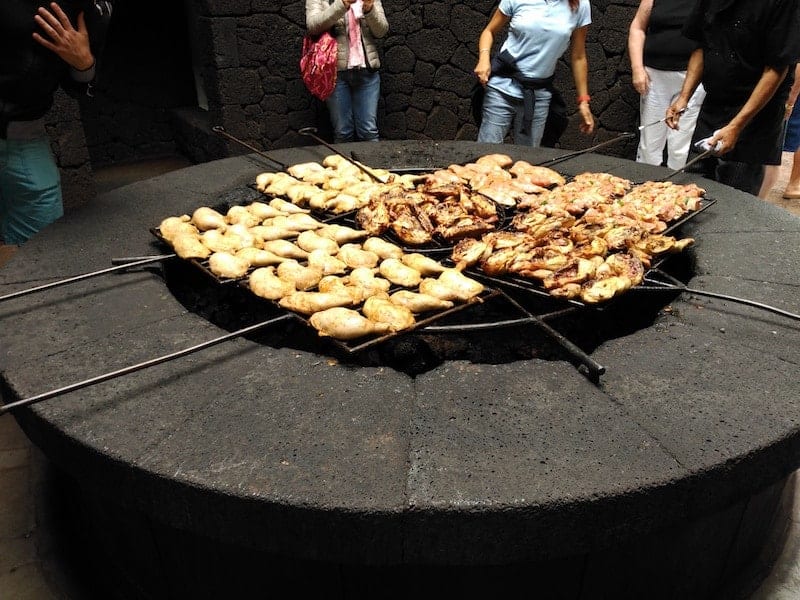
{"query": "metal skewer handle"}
(218, 129)
(121, 267)
(570, 155)
(312, 133)
(140, 366)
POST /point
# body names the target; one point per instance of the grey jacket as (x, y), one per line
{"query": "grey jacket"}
(324, 15)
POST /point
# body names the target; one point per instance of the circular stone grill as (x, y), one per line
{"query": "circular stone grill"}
(464, 469)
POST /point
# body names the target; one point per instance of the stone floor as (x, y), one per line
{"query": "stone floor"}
(37, 564)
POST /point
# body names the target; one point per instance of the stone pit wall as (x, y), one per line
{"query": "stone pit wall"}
(248, 53)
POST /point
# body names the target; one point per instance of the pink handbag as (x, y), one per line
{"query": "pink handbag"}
(318, 64)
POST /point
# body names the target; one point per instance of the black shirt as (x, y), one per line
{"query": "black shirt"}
(739, 39)
(665, 47)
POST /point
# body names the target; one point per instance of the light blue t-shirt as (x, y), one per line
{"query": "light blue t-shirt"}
(538, 35)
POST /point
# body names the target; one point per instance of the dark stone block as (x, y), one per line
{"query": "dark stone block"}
(275, 125)
(223, 37)
(423, 74)
(453, 80)
(397, 102)
(405, 22)
(274, 103)
(243, 85)
(416, 119)
(433, 45)
(436, 14)
(442, 124)
(399, 59)
(394, 125)
(423, 99)
(221, 8)
(467, 24)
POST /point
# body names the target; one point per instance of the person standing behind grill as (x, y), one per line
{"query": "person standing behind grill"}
(746, 50)
(539, 33)
(41, 47)
(659, 54)
(355, 24)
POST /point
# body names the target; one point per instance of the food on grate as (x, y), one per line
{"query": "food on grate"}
(330, 265)
(172, 227)
(341, 234)
(382, 248)
(239, 215)
(451, 285)
(221, 241)
(258, 257)
(367, 280)
(308, 303)
(205, 218)
(285, 248)
(189, 246)
(383, 310)
(398, 273)
(424, 264)
(354, 255)
(227, 265)
(263, 282)
(303, 277)
(419, 303)
(310, 241)
(345, 324)
(263, 211)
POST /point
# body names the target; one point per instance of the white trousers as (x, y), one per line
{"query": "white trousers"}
(664, 88)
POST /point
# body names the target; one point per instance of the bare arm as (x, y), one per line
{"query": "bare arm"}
(794, 92)
(636, 37)
(483, 69)
(580, 74)
(770, 79)
(694, 74)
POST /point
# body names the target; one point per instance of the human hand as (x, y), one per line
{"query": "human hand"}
(641, 81)
(674, 112)
(483, 69)
(367, 5)
(587, 118)
(70, 44)
(724, 139)
(347, 3)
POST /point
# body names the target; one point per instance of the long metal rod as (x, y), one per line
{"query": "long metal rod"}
(60, 282)
(697, 158)
(140, 366)
(312, 133)
(569, 155)
(218, 129)
(677, 285)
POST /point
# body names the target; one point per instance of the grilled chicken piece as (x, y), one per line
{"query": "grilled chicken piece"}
(341, 234)
(383, 310)
(345, 324)
(366, 279)
(353, 255)
(600, 290)
(620, 238)
(542, 176)
(419, 303)
(465, 227)
(340, 285)
(257, 257)
(498, 262)
(240, 215)
(382, 248)
(460, 287)
(424, 264)
(189, 246)
(495, 160)
(266, 233)
(469, 251)
(217, 241)
(330, 265)
(408, 226)
(265, 283)
(399, 274)
(263, 211)
(285, 248)
(577, 271)
(227, 265)
(286, 207)
(205, 218)
(171, 227)
(374, 217)
(308, 303)
(622, 263)
(302, 222)
(303, 170)
(244, 233)
(310, 241)
(302, 277)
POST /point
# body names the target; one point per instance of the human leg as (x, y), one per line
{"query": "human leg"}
(340, 107)
(30, 189)
(653, 107)
(498, 114)
(742, 176)
(792, 144)
(771, 173)
(540, 110)
(792, 191)
(366, 91)
(679, 141)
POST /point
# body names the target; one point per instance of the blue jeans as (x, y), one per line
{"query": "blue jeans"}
(501, 110)
(30, 189)
(354, 105)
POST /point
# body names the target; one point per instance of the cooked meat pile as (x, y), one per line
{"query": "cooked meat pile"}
(341, 278)
(591, 238)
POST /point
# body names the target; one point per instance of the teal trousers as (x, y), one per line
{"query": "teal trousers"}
(30, 189)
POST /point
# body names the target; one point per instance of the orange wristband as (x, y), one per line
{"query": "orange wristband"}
(584, 98)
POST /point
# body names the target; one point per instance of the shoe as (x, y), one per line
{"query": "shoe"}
(791, 196)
